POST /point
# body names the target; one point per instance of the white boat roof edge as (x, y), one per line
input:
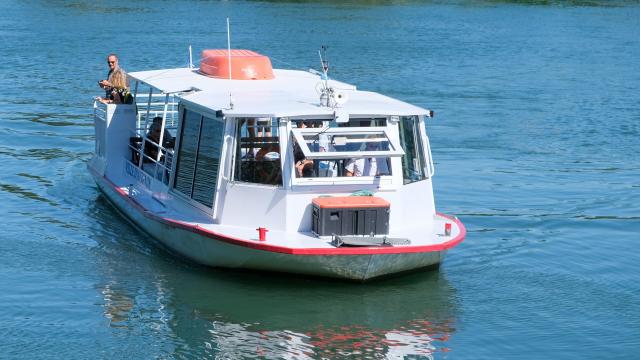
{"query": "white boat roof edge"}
(292, 93)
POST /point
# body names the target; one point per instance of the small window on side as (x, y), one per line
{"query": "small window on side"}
(257, 155)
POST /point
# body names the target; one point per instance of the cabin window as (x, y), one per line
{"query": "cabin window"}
(199, 157)
(365, 122)
(257, 157)
(413, 161)
(353, 151)
(311, 123)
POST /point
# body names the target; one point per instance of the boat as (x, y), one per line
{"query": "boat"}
(235, 164)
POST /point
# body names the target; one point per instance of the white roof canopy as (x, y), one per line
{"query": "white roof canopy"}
(292, 93)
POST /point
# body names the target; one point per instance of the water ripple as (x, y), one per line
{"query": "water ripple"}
(19, 191)
(537, 124)
(44, 154)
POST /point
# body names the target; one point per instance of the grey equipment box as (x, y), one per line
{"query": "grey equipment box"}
(350, 215)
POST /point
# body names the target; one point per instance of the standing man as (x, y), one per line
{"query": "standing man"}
(112, 61)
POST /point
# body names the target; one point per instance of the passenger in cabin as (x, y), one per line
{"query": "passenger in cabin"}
(264, 126)
(267, 164)
(325, 168)
(255, 145)
(151, 149)
(371, 166)
(268, 152)
(304, 166)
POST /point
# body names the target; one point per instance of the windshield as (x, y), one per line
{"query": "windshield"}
(336, 152)
(334, 143)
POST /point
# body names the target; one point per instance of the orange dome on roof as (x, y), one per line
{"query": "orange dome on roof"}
(245, 64)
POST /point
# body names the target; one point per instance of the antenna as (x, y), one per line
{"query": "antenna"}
(325, 96)
(190, 59)
(326, 93)
(324, 63)
(329, 96)
(229, 60)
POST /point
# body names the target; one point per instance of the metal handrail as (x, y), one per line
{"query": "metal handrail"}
(150, 104)
(161, 150)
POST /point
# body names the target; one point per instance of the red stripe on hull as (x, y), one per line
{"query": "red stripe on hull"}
(373, 250)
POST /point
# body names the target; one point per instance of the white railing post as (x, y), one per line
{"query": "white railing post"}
(135, 101)
(161, 139)
(144, 130)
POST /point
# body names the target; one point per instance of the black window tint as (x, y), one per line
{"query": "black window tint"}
(364, 122)
(208, 163)
(187, 155)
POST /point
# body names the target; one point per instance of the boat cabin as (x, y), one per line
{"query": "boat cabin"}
(255, 145)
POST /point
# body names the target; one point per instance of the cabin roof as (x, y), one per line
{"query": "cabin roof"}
(290, 93)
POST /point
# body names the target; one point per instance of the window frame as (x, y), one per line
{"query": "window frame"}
(236, 143)
(421, 148)
(298, 135)
(382, 182)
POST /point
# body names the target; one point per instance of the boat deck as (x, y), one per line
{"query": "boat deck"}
(172, 211)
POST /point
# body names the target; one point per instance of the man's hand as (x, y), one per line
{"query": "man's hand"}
(104, 83)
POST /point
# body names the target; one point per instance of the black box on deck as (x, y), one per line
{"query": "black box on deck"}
(350, 215)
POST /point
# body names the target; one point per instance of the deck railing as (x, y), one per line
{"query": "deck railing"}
(100, 124)
(149, 106)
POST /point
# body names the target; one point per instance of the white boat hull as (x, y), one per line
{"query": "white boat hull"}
(217, 250)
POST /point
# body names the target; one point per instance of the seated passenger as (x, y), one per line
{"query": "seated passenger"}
(374, 166)
(267, 165)
(151, 149)
(304, 166)
(269, 152)
(371, 166)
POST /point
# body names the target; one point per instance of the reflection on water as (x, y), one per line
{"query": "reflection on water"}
(229, 340)
(236, 315)
(412, 338)
(117, 305)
